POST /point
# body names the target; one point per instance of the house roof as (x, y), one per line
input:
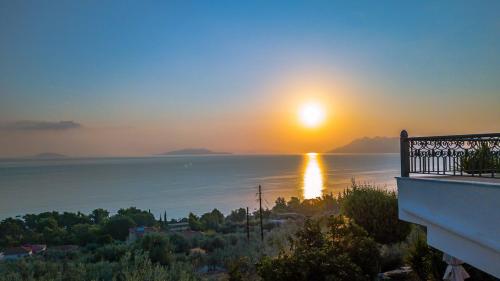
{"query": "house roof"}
(36, 248)
(17, 251)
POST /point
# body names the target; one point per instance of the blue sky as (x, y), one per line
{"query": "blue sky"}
(175, 66)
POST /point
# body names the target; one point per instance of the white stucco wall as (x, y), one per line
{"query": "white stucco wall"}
(462, 217)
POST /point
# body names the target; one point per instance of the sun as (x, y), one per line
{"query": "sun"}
(311, 114)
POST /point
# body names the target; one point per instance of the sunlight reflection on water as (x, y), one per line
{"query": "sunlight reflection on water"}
(313, 177)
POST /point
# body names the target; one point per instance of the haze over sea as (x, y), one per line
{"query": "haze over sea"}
(182, 184)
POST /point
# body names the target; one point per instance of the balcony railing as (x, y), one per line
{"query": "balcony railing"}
(460, 155)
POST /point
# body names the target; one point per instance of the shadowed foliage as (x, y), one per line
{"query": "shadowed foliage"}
(343, 252)
(375, 210)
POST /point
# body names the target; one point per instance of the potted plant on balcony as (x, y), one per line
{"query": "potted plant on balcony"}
(481, 161)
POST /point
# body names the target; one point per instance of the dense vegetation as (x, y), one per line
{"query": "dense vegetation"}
(55, 228)
(376, 211)
(353, 236)
(343, 252)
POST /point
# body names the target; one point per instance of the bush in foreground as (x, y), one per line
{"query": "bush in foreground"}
(131, 267)
(375, 210)
(344, 252)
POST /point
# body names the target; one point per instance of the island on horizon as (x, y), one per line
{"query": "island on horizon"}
(49, 155)
(193, 151)
(369, 145)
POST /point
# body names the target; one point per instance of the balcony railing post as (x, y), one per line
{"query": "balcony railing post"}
(405, 154)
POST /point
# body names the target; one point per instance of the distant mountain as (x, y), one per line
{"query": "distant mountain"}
(50, 155)
(370, 145)
(193, 151)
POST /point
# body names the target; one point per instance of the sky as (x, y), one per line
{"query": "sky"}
(132, 78)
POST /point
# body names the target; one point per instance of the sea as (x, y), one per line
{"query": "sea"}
(179, 185)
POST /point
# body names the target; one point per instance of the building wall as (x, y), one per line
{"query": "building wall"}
(15, 257)
(462, 217)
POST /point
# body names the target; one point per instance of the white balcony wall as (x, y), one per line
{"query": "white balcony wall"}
(462, 216)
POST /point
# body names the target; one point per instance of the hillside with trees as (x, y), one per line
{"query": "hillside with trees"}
(353, 236)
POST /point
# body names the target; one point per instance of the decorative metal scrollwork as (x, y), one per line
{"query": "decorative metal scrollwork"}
(466, 155)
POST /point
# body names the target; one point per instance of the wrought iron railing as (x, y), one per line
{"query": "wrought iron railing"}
(460, 155)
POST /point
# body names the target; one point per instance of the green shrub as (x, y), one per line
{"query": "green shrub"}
(159, 248)
(85, 233)
(482, 160)
(212, 220)
(140, 217)
(110, 252)
(118, 227)
(392, 256)
(238, 215)
(344, 252)
(425, 261)
(12, 232)
(139, 267)
(375, 210)
(194, 222)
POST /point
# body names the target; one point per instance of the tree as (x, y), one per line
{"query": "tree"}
(238, 215)
(294, 204)
(330, 203)
(234, 272)
(99, 216)
(194, 222)
(375, 210)
(140, 217)
(345, 252)
(118, 227)
(213, 243)
(46, 223)
(85, 233)
(212, 220)
(31, 221)
(159, 248)
(12, 232)
(68, 219)
(351, 239)
(180, 243)
(110, 252)
(51, 232)
(424, 260)
(280, 205)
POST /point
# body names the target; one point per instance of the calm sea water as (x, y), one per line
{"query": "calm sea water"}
(183, 183)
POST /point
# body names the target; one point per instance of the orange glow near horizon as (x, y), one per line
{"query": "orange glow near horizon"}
(313, 177)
